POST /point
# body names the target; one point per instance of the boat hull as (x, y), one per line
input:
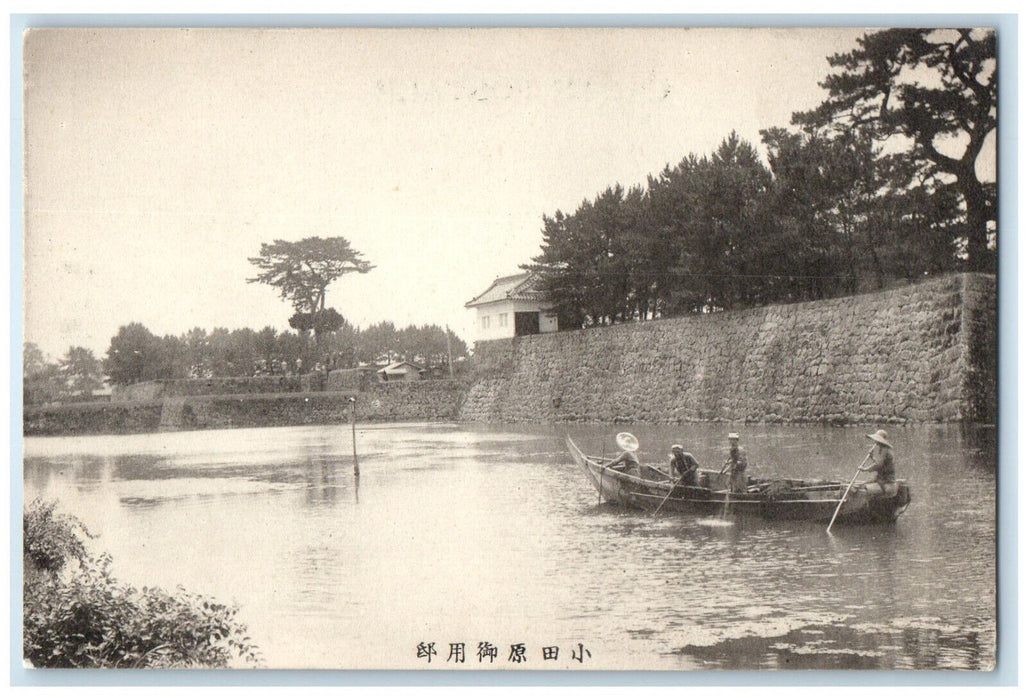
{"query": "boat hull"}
(651, 489)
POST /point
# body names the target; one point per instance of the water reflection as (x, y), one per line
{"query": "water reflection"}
(322, 485)
(850, 646)
(980, 441)
(489, 533)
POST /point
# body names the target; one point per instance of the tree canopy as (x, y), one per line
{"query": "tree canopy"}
(136, 354)
(937, 90)
(83, 371)
(302, 270)
(878, 184)
(75, 376)
(830, 214)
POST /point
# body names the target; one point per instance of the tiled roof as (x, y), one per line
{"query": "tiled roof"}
(399, 367)
(511, 288)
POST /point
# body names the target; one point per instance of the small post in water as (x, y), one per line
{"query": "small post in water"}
(353, 425)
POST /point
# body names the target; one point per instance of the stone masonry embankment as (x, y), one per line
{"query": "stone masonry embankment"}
(920, 353)
(437, 400)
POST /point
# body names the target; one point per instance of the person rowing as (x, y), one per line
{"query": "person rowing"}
(881, 464)
(683, 466)
(735, 464)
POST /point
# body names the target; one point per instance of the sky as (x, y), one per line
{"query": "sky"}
(157, 161)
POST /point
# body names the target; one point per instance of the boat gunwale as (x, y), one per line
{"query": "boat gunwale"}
(745, 500)
(594, 464)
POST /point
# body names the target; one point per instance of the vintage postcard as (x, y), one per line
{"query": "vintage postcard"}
(507, 349)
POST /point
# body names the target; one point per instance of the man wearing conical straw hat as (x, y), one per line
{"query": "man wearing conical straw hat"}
(881, 464)
(627, 459)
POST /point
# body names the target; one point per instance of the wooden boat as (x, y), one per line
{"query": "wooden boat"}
(648, 488)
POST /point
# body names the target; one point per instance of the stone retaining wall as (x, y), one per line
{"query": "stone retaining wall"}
(159, 389)
(422, 401)
(401, 401)
(93, 418)
(143, 391)
(351, 379)
(922, 353)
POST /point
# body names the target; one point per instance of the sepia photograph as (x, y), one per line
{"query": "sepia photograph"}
(499, 348)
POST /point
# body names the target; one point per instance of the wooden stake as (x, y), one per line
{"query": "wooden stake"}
(353, 424)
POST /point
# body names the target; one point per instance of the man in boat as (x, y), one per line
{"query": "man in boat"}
(627, 460)
(684, 465)
(735, 464)
(881, 465)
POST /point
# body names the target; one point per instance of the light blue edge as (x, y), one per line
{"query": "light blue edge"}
(1005, 673)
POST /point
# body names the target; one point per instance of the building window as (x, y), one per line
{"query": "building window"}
(503, 320)
(485, 323)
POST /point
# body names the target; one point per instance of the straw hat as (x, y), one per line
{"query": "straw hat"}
(733, 436)
(881, 437)
(627, 442)
(676, 447)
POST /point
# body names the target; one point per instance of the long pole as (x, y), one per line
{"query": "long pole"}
(845, 493)
(673, 487)
(728, 488)
(353, 425)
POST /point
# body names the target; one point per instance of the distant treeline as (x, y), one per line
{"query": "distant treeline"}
(136, 355)
(878, 184)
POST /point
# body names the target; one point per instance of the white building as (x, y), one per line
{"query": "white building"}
(512, 306)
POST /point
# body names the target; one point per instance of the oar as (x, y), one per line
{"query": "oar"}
(728, 499)
(728, 489)
(673, 486)
(846, 493)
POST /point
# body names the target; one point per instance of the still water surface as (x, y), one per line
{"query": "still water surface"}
(473, 534)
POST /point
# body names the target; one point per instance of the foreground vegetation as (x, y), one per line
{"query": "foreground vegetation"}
(75, 614)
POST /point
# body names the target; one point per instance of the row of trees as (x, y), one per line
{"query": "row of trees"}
(858, 194)
(76, 375)
(301, 271)
(136, 354)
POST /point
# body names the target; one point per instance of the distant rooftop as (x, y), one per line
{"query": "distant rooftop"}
(519, 287)
(399, 367)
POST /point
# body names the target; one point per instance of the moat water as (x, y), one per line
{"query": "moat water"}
(467, 535)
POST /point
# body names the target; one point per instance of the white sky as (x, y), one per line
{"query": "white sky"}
(157, 161)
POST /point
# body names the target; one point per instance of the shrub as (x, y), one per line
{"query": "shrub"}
(51, 539)
(77, 615)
